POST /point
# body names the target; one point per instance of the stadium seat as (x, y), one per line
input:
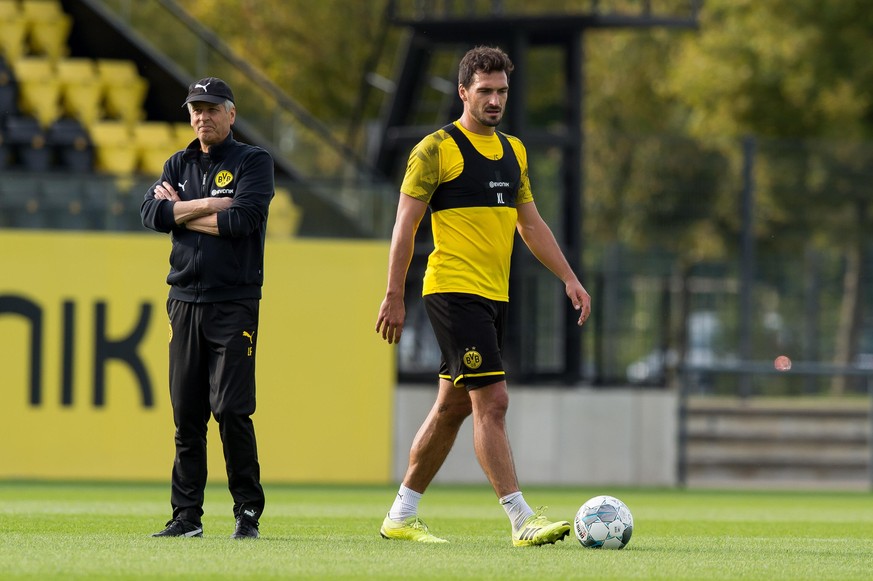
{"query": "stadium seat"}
(62, 202)
(20, 195)
(81, 91)
(13, 30)
(41, 9)
(48, 27)
(155, 142)
(38, 88)
(5, 150)
(10, 8)
(114, 148)
(124, 90)
(183, 134)
(8, 90)
(126, 197)
(98, 197)
(26, 139)
(69, 142)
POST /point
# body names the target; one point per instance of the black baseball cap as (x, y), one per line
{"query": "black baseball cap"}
(211, 90)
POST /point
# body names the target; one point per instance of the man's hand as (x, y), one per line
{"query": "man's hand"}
(166, 191)
(192, 212)
(392, 313)
(581, 300)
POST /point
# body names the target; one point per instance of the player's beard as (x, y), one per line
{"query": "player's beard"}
(488, 120)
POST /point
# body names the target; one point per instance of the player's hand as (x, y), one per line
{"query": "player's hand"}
(392, 313)
(166, 191)
(581, 300)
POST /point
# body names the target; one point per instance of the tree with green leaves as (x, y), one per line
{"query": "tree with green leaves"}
(786, 71)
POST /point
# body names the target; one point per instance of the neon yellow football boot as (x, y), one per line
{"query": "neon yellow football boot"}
(411, 529)
(538, 530)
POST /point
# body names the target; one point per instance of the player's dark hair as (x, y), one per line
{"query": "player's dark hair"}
(483, 59)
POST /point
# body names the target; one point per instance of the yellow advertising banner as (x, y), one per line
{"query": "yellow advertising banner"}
(84, 347)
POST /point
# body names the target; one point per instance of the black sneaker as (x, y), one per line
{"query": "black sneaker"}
(181, 528)
(245, 529)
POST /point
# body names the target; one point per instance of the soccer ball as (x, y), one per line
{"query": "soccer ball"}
(604, 522)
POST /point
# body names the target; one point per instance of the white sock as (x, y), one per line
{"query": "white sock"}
(516, 509)
(405, 504)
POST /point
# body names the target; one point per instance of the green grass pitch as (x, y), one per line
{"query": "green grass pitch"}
(63, 531)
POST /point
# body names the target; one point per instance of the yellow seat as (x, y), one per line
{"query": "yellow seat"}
(183, 133)
(82, 101)
(111, 132)
(81, 91)
(114, 148)
(13, 31)
(9, 8)
(41, 8)
(124, 90)
(48, 27)
(116, 69)
(38, 88)
(155, 143)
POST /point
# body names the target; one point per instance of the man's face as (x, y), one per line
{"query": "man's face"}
(485, 98)
(211, 122)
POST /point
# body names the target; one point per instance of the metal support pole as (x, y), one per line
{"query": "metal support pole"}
(747, 261)
(573, 184)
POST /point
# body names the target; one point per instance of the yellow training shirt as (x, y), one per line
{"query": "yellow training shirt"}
(472, 240)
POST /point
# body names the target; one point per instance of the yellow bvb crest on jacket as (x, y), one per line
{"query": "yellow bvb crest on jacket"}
(223, 178)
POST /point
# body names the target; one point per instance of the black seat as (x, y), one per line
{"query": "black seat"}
(27, 142)
(5, 150)
(8, 106)
(8, 91)
(21, 198)
(71, 146)
(62, 202)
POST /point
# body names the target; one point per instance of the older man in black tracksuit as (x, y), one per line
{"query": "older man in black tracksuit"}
(213, 199)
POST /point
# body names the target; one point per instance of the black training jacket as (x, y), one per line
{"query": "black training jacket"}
(230, 266)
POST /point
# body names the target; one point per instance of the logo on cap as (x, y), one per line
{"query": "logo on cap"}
(210, 90)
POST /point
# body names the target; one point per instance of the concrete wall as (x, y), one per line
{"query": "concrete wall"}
(575, 436)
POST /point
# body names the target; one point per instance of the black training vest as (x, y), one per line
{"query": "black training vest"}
(483, 181)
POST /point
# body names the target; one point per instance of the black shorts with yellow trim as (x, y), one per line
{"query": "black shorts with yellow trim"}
(469, 330)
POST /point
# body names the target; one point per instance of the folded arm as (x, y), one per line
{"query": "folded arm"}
(199, 215)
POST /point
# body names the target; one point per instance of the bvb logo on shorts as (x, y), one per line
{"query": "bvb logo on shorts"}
(472, 359)
(170, 325)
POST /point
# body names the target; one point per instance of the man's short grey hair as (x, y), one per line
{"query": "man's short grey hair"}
(228, 105)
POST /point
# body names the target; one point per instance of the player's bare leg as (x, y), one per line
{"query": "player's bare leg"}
(490, 441)
(437, 435)
(429, 450)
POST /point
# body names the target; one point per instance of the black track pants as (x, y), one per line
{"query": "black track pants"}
(212, 371)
